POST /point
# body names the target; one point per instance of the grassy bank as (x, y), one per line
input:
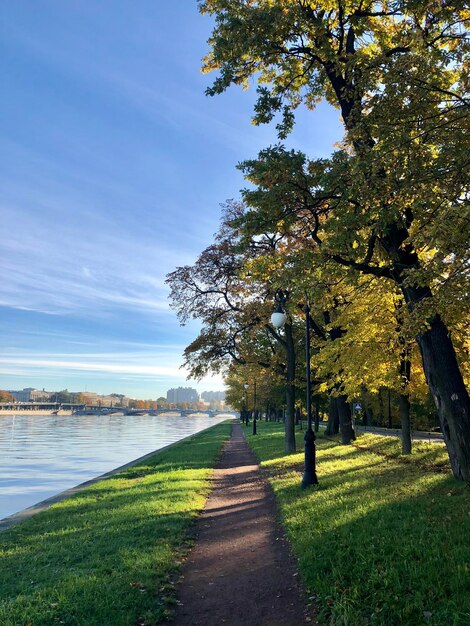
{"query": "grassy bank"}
(108, 556)
(379, 541)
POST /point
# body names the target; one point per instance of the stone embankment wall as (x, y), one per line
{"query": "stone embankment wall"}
(35, 412)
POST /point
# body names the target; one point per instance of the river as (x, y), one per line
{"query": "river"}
(42, 455)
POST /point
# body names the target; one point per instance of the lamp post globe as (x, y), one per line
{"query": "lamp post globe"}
(278, 319)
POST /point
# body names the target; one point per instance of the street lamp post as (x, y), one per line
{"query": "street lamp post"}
(278, 319)
(310, 475)
(245, 386)
(254, 408)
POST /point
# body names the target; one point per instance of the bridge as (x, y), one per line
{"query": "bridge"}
(39, 406)
(90, 409)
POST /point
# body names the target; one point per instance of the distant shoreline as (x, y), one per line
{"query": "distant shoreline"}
(64, 413)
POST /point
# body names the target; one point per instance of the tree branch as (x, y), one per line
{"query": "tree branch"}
(364, 268)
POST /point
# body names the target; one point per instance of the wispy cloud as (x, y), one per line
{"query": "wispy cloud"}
(90, 366)
(45, 267)
(98, 370)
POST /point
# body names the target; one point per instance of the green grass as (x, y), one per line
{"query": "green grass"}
(109, 555)
(379, 541)
(426, 455)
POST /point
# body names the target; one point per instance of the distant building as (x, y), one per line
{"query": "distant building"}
(30, 394)
(182, 394)
(213, 396)
(112, 400)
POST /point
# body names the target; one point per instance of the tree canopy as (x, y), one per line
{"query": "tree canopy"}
(392, 201)
(375, 235)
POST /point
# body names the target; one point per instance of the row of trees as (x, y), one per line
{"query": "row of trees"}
(376, 236)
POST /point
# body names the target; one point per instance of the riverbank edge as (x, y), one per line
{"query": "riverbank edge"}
(16, 518)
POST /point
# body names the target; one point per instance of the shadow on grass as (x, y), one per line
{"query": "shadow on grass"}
(378, 542)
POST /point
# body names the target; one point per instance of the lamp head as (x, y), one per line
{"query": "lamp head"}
(278, 317)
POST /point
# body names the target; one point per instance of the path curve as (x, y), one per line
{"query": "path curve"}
(240, 572)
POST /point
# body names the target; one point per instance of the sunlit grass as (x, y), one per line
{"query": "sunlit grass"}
(425, 454)
(108, 556)
(379, 541)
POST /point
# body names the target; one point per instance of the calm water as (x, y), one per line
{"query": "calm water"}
(41, 456)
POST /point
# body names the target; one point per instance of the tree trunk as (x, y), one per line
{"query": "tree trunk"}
(440, 365)
(389, 411)
(404, 405)
(404, 400)
(450, 395)
(289, 424)
(332, 428)
(366, 408)
(345, 420)
(381, 408)
(297, 416)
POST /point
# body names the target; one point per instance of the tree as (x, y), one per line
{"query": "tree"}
(374, 349)
(234, 308)
(284, 199)
(79, 398)
(391, 201)
(270, 388)
(63, 397)
(5, 396)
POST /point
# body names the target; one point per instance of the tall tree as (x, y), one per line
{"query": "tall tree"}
(397, 190)
(234, 310)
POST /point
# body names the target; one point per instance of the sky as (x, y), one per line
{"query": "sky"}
(113, 166)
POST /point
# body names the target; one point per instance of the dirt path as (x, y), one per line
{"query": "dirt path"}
(240, 571)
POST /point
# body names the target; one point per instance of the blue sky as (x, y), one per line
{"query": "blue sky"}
(113, 165)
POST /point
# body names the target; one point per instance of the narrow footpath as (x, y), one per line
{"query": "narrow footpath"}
(240, 572)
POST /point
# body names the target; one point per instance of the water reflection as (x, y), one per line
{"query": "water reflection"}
(41, 455)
